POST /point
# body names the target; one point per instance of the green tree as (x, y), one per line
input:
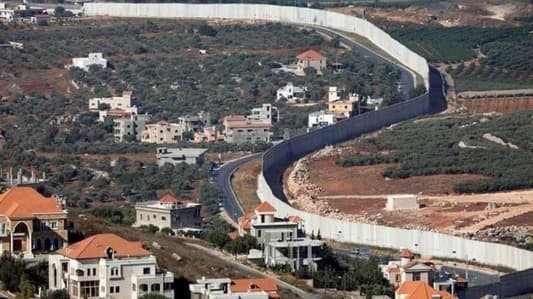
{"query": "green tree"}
(26, 289)
(218, 238)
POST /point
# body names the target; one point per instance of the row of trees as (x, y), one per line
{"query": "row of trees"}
(431, 147)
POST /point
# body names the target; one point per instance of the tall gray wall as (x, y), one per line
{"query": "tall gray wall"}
(287, 14)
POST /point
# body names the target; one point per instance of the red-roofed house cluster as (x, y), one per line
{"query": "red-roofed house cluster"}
(283, 241)
(30, 222)
(253, 288)
(415, 279)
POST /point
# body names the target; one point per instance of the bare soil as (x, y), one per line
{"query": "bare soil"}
(42, 81)
(500, 105)
(244, 184)
(368, 180)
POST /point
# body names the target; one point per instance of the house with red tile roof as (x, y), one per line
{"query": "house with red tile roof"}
(249, 288)
(311, 59)
(419, 290)
(171, 212)
(31, 222)
(108, 266)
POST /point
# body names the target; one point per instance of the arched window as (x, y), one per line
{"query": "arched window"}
(56, 243)
(47, 244)
(155, 287)
(143, 287)
(39, 245)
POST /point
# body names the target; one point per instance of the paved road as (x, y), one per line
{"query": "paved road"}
(407, 80)
(282, 284)
(222, 178)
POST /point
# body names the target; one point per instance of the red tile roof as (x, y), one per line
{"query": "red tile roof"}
(244, 221)
(265, 207)
(233, 235)
(97, 245)
(26, 202)
(295, 219)
(406, 253)
(420, 290)
(168, 198)
(253, 285)
(311, 54)
(235, 118)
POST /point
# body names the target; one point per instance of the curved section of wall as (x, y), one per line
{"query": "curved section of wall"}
(286, 14)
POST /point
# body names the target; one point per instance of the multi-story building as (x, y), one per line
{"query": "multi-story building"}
(117, 106)
(283, 240)
(162, 132)
(195, 123)
(130, 125)
(225, 288)
(237, 129)
(266, 113)
(311, 59)
(335, 104)
(93, 59)
(6, 14)
(175, 156)
(419, 290)
(108, 266)
(323, 118)
(209, 134)
(291, 93)
(30, 222)
(169, 212)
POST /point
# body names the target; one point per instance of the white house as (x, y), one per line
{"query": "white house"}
(266, 113)
(323, 118)
(93, 59)
(226, 288)
(6, 15)
(283, 240)
(118, 106)
(291, 93)
(107, 266)
(401, 202)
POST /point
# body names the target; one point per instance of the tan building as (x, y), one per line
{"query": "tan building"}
(162, 132)
(30, 222)
(237, 129)
(209, 134)
(345, 107)
(108, 266)
(169, 212)
(311, 58)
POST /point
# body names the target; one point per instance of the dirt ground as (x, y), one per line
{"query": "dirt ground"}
(360, 193)
(244, 184)
(42, 81)
(460, 13)
(500, 105)
(368, 180)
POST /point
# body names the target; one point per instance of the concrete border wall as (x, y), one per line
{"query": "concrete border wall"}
(286, 14)
(280, 156)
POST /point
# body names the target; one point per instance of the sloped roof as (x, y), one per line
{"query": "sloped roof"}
(295, 219)
(265, 207)
(244, 221)
(253, 285)
(96, 246)
(26, 202)
(235, 118)
(310, 54)
(168, 198)
(406, 253)
(420, 290)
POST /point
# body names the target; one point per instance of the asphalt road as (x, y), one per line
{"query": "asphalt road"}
(407, 81)
(222, 177)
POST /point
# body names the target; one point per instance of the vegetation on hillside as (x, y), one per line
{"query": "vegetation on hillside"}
(431, 146)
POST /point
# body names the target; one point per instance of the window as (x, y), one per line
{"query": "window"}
(416, 276)
(143, 287)
(89, 288)
(133, 287)
(146, 270)
(94, 271)
(168, 286)
(163, 218)
(259, 233)
(154, 216)
(114, 271)
(88, 272)
(114, 290)
(155, 287)
(117, 289)
(141, 216)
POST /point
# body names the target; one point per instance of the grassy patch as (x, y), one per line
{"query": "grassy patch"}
(244, 183)
(477, 84)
